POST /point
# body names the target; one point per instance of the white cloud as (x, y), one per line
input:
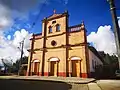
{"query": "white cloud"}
(19, 9)
(9, 48)
(119, 21)
(5, 18)
(103, 39)
(9, 37)
(19, 36)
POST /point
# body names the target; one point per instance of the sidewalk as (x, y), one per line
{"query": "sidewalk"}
(93, 86)
(76, 80)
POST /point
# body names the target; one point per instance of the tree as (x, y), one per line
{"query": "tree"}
(7, 65)
(110, 64)
(16, 65)
(25, 60)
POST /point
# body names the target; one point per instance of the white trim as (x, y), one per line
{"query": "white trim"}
(54, 59)
(75, 58)
(36, 60)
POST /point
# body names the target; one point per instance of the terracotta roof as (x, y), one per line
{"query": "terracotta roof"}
(38, 34)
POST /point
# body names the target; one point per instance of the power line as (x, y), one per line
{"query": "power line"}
(34, 23)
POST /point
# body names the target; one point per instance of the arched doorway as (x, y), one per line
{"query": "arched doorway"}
(75, 66)
(36, 64)
(53, 66)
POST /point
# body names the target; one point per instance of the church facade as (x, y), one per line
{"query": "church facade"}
(60, 50)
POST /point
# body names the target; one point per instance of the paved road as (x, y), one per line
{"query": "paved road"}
(109, 84)
(7, 84)
(26, 84)
(10, 84)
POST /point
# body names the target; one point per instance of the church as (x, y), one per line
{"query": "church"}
(61, 50)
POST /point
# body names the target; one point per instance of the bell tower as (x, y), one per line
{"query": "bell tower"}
(55, 24)
(54, 28)
(54, 33)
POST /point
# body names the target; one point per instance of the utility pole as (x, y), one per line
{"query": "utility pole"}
(116, 27)
(21, 57)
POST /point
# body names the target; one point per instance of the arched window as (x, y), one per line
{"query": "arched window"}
(57, 28)
(50, 29)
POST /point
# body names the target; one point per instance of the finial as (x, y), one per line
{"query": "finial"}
(82, 22)
(82, 25)
(66, 11)
(54, 11)
(45, 18)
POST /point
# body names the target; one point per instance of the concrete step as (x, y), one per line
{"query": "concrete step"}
(93, 86)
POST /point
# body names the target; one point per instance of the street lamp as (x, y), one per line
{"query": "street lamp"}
(116, 27)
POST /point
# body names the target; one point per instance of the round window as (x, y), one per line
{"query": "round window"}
(53, 43)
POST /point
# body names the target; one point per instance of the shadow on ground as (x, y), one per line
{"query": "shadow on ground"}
(10, 84)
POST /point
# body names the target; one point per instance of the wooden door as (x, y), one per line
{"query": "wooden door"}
(78, 68)
(36, 67)
(75, 68)
(53, 68)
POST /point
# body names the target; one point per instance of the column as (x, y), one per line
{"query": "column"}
(70, 68)
(48, 68)
(79, 68)
(56, 67)
(31, 69)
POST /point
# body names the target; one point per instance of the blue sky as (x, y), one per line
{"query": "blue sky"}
(93, 12)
